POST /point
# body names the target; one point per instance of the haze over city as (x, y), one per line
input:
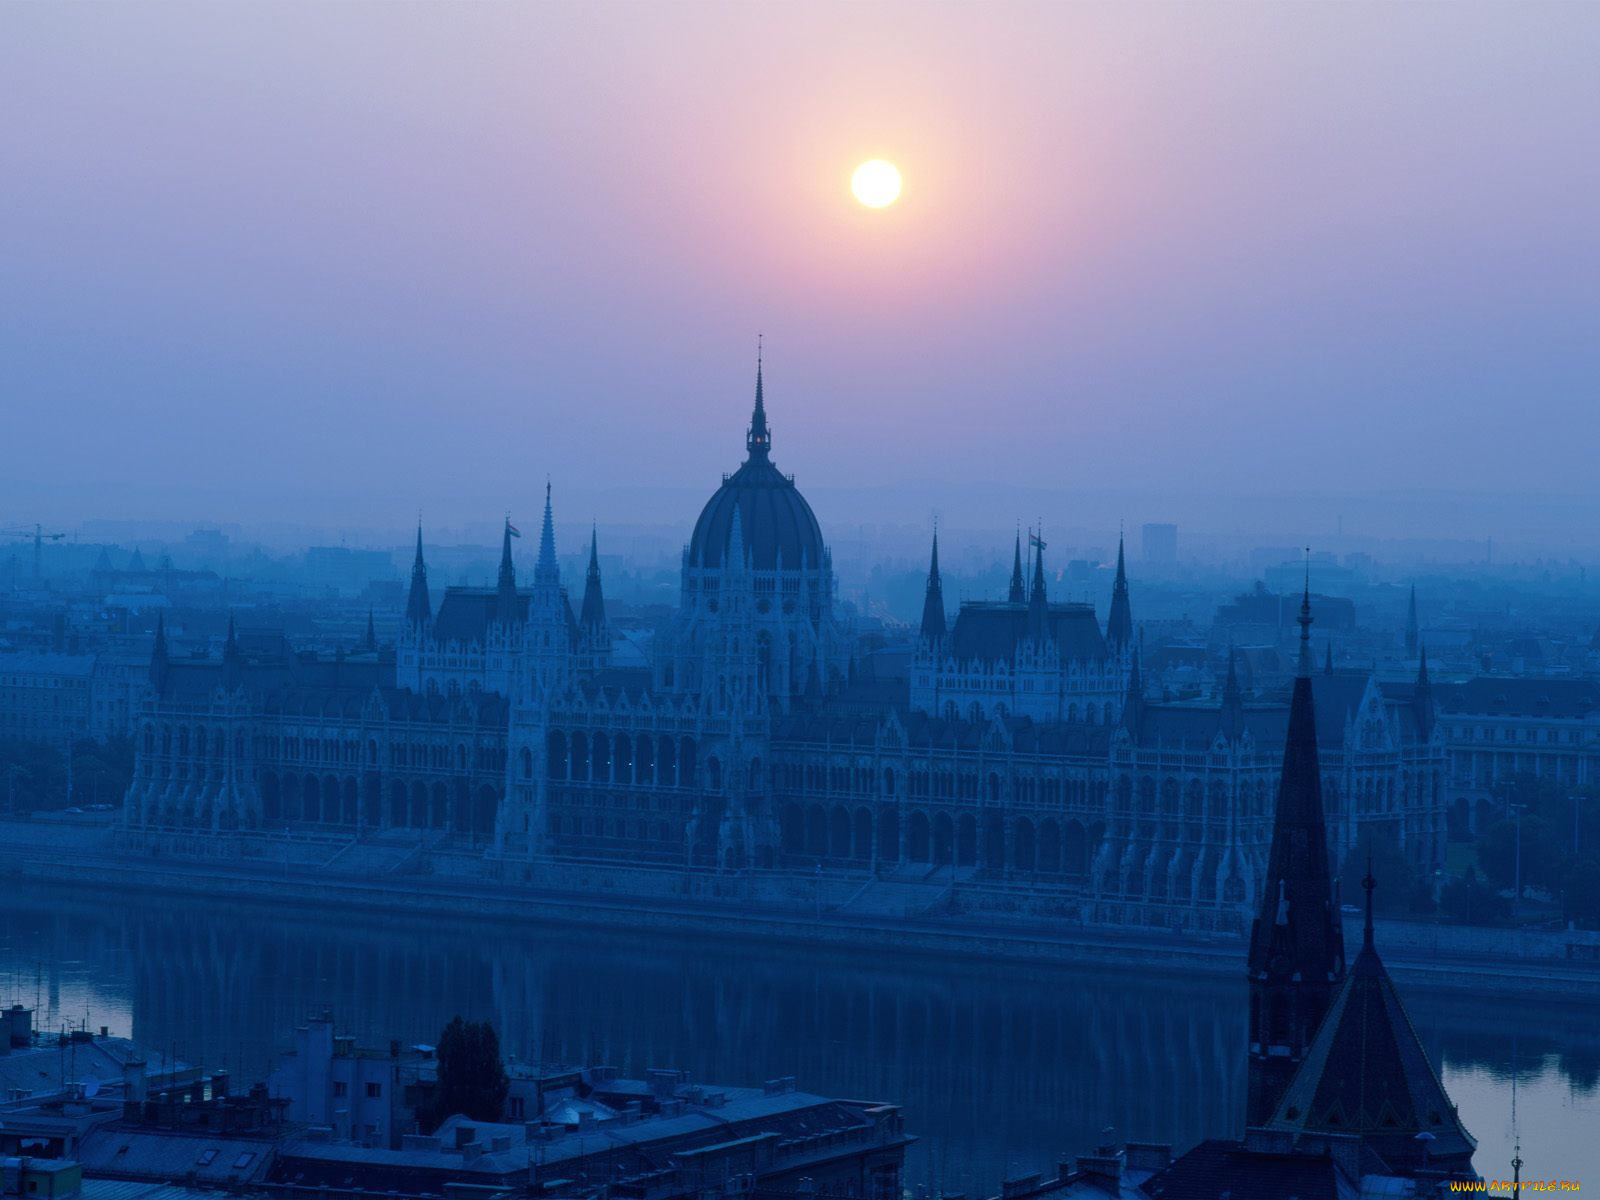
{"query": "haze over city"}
(1275, 269)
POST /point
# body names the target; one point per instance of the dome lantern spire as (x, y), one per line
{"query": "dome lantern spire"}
(758, 441)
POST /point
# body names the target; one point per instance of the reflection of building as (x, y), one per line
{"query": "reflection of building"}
(1018, 753)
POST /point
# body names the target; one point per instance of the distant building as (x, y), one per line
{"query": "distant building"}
(1014, 750)
(1159, 544)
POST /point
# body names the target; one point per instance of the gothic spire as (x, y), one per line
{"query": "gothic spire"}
(1133, 702)
(1295, 965)
(758, 441)
(592, 616)
(1019, 594)
(1232, 714)
(158, 654)
(371, 641)
(1412, 634)
(545, 572)
(418, 609)
(230, 657)
(1038, 602)
(505, 604)
(1119, 623)
(1422, 695)
(933, 624)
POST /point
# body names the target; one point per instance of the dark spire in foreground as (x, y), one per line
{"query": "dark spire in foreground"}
(1296, 943)
(418, 608)
(1367, 1075)
(1413, 637)
(759, 439)
(592, 616)
(1119, 624)
(933, 626)
(1304, 669)
(505, 601)
(1019, 594)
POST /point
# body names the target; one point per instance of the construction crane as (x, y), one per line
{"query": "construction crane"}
(40, 537)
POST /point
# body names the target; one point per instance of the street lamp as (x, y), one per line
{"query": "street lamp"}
(1516, 900)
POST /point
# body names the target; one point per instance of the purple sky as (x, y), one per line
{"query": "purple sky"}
(335, 262)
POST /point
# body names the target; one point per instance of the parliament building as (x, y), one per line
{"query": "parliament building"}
(1018, 755)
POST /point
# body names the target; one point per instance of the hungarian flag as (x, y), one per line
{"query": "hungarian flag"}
(513, 530)
(1035, 540)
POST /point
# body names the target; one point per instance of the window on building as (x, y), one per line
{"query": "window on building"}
(374, 1090)
(340, 1088)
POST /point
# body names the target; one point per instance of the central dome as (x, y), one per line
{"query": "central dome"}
(774, 518)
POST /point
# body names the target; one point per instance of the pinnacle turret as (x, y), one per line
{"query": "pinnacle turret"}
(758, 440)
(592, 616)
(505, 603)
(1019, 594)
(418, 608)
(1119, 623)
(933, 619)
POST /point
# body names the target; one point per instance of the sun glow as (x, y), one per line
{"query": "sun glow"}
(876, 183)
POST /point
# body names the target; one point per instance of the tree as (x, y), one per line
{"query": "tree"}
(1581, 890)
(1541, 858)
(1470, 901)
(1400, 890)
(472, 1079)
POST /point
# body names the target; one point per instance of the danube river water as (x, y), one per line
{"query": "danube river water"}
(1001, 1069)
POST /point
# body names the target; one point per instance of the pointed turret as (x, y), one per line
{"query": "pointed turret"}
(1038, 602)
(546, 574)
(1422, 696)
(758, 441)
(230, 657)
(1019, 594)
(158, 655)
(505, 599)
(593, 614)
(418, 608)
(1119, 624)
(1133, 702)
(1231, 716)
(1296, 944)
(933, 622)
(1413, 636)
(1367, 1075)
(370, 642)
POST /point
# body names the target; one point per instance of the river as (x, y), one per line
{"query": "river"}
(1001, 1069)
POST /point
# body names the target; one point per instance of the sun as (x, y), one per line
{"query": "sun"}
(876, 183)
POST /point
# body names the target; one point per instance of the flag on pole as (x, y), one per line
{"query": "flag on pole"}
(1035, 540)
(513, 530)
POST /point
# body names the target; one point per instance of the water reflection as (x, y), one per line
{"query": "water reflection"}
(999, 1067)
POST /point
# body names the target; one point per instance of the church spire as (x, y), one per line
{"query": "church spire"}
(505, 604)
(158, 654)
(1038, 602)
(1019, 593)
(1413, 635)
(593, 614)
(1422, 695)
(933, 625)
(1296, 964)
(545, 572)
(1119, 623)
(758, 441)
(1232, 714)
(418, 609)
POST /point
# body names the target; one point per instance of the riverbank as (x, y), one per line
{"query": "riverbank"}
(789, 909)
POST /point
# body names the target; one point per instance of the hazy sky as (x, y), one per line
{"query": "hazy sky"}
(340, 261)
